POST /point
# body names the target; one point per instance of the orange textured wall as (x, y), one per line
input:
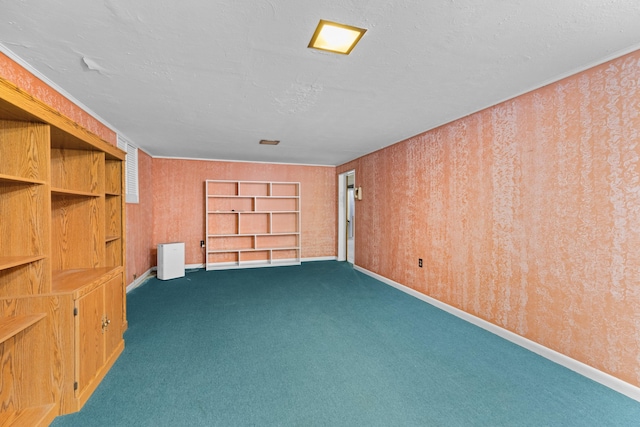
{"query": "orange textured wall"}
(526, 214)
(140, 222)
(16, 74)
(178, 201)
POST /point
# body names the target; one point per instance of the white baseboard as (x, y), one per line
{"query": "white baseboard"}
(191, 266)
(140, 280)
(150, 272)
(320, 258)
(585, 370)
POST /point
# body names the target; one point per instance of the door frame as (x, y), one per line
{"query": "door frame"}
(342, 214)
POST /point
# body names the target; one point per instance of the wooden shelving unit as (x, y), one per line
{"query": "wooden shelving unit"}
(62, 299)
(252, 224)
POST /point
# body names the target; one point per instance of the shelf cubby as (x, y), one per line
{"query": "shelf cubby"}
(221, 188)
(26, 146)
(24, 212)
(24, 276)
(254, 256)
(113, 177)
(76, 170)
(279, 256)
(277, 204)
(237, 242)
(226, 258)
(222, 223)
(231, 204)
(285, 189)
(285, 222)
(253, 189)
(113, 215)
(113, 251)
(77, 231)
(277, 241)
(10, 326)
(254, 222)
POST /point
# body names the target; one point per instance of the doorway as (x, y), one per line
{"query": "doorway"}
(346, 216)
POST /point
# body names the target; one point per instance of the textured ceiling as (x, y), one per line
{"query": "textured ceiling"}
(209, 79)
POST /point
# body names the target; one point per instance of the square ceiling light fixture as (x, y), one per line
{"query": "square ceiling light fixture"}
(334, 37)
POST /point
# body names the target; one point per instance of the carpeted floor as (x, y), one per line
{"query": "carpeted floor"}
(323, 345)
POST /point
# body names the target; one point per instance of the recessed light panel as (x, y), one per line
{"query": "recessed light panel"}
(334, 37)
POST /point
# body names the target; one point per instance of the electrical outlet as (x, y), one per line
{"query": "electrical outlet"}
(202, 243)
(420, 262)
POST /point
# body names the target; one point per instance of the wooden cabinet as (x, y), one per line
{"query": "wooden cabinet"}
(61, 260)
(98, 330)
(252, 224)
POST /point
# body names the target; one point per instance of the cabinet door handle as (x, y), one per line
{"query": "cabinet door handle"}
(105, 323)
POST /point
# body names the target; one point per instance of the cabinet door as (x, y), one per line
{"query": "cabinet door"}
(113, 309)
(89, 339)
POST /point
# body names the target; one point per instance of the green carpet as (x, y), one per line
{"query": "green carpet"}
(323, 345)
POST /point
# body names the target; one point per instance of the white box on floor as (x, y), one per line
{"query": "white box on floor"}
(170, 260)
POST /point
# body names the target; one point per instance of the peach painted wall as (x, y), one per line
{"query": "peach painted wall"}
(140, 223)
(526, 214)
(178, 201)
(23, 79)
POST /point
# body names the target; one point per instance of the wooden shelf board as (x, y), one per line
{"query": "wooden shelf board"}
(72, 280)
(293, 233)
(268, 248)
(277, 197)
(250, 212)
(67, 192)
(10, 326)
(229, 196)
(221, 265)
(34, 416)
(277, 263)
(20, 179)
(250, 264)
(111, 194)
(15, 261)
(278, 248)
(111, 238)
(246, 196)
